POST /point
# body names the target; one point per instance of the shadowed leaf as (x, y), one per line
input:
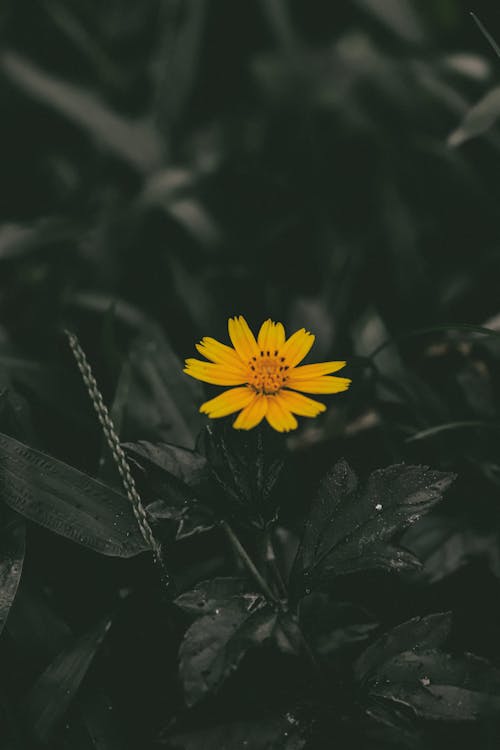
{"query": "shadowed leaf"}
(480, 118)
(181, 463)
(173, 475)
(135, 142)
(210, 595)
(55, 689)
(162, 398)
(215, 644)
(42, 636)
(12, 547)
(418, 633)
(441, 686)
(260, 734)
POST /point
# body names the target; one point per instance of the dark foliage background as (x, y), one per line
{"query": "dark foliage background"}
(166, 165)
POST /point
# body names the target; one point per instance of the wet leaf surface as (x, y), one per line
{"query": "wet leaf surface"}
(67, 501)
(350, 527)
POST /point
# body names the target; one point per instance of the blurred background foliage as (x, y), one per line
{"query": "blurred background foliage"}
(167, 164)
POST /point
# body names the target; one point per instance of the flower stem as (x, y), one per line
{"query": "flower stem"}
(248, 562)
(270, 558)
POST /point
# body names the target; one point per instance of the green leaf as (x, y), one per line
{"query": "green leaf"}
(55, 689)
(350, 527)
(419, 632)
(480, 118)
(12, 548)
(135, 142)
(259, 734)
(216, 643)
(399, 16)
(182, 47)
(163, 401)
(67, 501)
(41, 636)
(445, 545)
(208, 596)
(331, 625)
(440, 686)
(173, 475)
(247, 468)
(169, 460)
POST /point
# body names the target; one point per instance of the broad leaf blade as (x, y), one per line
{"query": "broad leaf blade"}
(417, 633)
(349, 528)
(208, 596)
(215, 644)
(186, 465)
(259, 734)
(440, 686)
(67, 501)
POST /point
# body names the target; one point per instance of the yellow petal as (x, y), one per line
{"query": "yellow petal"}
(265, 334)
(215, 374)
(278, 416)
(252, 414)
(271, 337)
(299, 404)
(242, 337)
(306, 372)
(227, 402)
(295, 349)
(219, 353)
(279, 336)
(324, 384)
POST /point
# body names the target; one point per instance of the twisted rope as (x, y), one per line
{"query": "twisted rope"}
(117, 451)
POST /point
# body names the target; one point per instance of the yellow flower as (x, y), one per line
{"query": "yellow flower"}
(265, 375)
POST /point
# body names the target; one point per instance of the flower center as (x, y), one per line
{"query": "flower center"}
(268, 372)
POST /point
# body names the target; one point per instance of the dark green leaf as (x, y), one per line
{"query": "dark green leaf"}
(418, 633)
(398, 15)
(440, 686)
(259, 734)
(163, 401)
(67, 501)
(173, 474)
(55, 689)
(42, 636)
(136, 142)
(182, 45)
(330, 625)
(445, 545)
(12, 548)
(349, 527)
(184, 464)
(246, 467)
(480, 118)
(208, 596)
(215, 644)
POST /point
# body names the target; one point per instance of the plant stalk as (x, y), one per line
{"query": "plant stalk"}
(248, 563)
